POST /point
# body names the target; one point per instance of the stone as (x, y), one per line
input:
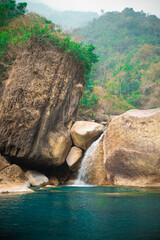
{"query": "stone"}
(3, 163)
(132, 148)
(84, 133)
(12, 179)
(13, 173)
(104, 123)
(53, 181)
(36, 179)
(58, 147)
(101, 118)
(39, 99)
(74, 158)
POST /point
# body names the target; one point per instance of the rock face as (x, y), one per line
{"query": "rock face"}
(36, 178)
(74, 158)
(84, 133)
(132, 148)
(40, 99)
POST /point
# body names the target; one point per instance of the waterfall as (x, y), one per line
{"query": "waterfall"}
(86, 164)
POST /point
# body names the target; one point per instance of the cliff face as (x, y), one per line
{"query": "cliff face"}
(38, 105)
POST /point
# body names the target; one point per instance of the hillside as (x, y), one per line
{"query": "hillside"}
(67, 19)
(128, 72)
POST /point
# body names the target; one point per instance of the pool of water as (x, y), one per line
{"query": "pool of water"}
(83, 213)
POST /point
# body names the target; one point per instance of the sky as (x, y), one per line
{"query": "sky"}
(148, 6)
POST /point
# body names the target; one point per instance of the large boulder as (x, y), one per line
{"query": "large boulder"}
(74, 158)
(36, 178)
(132, 148)
(13, 173)
(40, 98)
(58, 147)
(12, 179)
(84, 133)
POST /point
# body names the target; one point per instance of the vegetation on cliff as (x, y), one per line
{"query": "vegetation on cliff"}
(21, 31)
(127, 74)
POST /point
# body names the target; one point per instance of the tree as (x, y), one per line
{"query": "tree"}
(102, 11)
(9, 9)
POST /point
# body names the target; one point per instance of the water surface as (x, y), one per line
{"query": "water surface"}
(84, 213)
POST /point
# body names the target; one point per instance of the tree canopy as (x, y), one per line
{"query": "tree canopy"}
(128, 45)
(9, 9)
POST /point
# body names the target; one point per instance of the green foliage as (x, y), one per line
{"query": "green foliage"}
(128, 45)
(9, 10)
(33, 28)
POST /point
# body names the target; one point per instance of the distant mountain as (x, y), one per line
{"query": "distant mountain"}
(67, 19)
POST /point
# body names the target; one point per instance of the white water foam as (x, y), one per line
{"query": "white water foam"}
(86, 164)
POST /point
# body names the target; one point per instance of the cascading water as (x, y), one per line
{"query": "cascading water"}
(86, 164)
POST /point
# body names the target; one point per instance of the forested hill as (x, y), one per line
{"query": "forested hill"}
(128, 73)
(67, 19)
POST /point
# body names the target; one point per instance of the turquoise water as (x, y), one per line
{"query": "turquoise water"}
(83, 213)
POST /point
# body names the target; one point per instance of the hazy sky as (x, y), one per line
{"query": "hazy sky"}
(148, 6)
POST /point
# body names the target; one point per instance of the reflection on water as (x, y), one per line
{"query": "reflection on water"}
(81, 213)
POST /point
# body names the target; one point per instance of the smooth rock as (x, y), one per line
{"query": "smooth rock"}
(36, 179)
(74, 158)
(58, 147)
(14, 188)
(12, 179)
(84, 133)
(132, 148)
(13, 173)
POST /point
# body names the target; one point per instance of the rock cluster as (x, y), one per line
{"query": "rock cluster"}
(82, 134)
(128, 154)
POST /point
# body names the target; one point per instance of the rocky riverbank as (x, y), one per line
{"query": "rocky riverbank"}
(82, 133)
(127, 154)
